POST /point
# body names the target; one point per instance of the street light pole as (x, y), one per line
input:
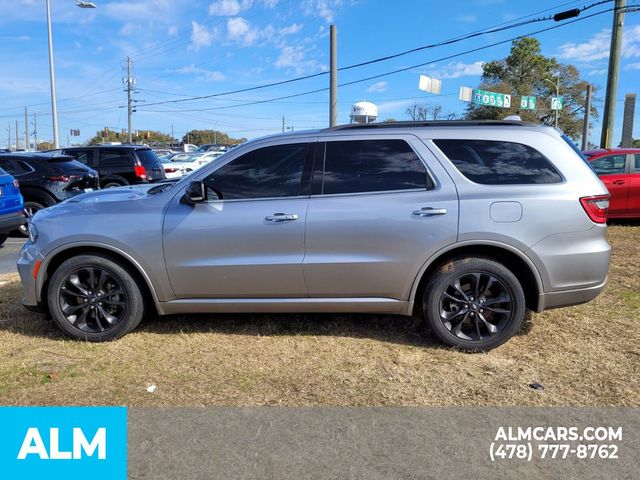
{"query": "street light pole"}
(52, 76)
(52, 73)
(557, 85)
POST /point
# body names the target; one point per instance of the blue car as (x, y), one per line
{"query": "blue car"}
(11, 208)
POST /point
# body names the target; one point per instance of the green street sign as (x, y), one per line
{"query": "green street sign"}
(491, 99)
(556, 103)
(527, 102)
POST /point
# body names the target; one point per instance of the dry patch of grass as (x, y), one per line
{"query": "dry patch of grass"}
(587, 355)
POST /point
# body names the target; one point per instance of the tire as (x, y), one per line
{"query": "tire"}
(86, 306)
(3, 238)
(30, 209)
(474, 303)
(111, 184)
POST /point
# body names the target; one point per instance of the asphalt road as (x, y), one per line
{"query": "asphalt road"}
(9, 254)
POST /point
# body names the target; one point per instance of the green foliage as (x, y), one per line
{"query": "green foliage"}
(200, 137)
(144, 136)
(527, 72)
(45, 146)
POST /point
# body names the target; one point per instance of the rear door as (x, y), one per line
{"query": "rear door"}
(612, 170)
(116, 164)
(380, 207)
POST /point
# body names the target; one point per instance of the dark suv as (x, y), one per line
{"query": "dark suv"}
(120, 164)
(46, 179)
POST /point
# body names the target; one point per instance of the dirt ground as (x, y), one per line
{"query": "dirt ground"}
(588, 355)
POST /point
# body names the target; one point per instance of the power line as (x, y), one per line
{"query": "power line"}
(487, 31)
(393, 72)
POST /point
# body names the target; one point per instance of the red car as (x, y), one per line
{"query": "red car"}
(619, 170)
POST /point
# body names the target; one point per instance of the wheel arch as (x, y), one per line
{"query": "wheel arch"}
(505, 254)
(58, 256)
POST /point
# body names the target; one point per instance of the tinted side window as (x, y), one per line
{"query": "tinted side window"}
(110, 158)
(499, 163)
(266, 172)
(610, 164)
(84, 156)
(372, 166)
(8, 166)
(637, 165)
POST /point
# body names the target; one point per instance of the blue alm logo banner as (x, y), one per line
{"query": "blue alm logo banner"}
(63, 442)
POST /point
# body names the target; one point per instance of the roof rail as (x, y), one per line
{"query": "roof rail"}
(434, 123)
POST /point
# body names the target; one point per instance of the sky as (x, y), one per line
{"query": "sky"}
(182, 49)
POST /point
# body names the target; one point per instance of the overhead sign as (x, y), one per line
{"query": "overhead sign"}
(491, 99)
(557, 102)
(527, 102)
(75, 132)
(431, 85)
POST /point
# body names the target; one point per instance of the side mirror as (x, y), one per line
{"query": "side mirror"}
(195, 193)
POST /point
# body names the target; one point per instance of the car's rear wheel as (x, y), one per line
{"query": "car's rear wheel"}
(94, 298)
(112, 184)
(474, 303)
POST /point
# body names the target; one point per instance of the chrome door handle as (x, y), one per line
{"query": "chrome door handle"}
(281, 217)
(429, 212)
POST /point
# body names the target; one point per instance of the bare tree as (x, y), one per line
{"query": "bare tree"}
(428, 111)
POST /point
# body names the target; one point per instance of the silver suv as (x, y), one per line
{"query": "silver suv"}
(467, 223)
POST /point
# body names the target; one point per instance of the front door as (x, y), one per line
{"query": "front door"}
(247, 239)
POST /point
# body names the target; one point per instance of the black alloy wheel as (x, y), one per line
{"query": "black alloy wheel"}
(95, 297)
(474, 303)
(474, 306)
(92, 299)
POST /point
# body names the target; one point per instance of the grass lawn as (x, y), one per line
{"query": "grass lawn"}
(588, 355)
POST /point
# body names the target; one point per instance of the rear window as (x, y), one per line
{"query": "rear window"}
(148, 158)
(491, 162)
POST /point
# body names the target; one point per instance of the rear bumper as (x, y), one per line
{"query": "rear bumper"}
(11, 221)
(567, 298)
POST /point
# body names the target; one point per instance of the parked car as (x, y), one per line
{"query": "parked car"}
(171, 169)
(188, 161)
(47, 178)
(619, 169)
(469, 223)
(11, 208)
(119, 165)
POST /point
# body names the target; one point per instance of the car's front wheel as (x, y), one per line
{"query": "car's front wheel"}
(94, 298)
(474, 303)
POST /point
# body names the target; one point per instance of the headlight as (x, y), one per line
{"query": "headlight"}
(33, 232)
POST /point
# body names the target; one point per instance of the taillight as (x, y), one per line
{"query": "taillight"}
(596, 207)
(170, 170)
(60, 178)
(140, 172)
(16, 183)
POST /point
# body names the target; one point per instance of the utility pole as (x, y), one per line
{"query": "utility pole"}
(612, 75)
(17, 135)
(283, 124)
(333, 82)
(9, 139)
(35, 132)
(171, 136)
(26, 129)
(130, 83)
(52, 78)
(587, 114)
